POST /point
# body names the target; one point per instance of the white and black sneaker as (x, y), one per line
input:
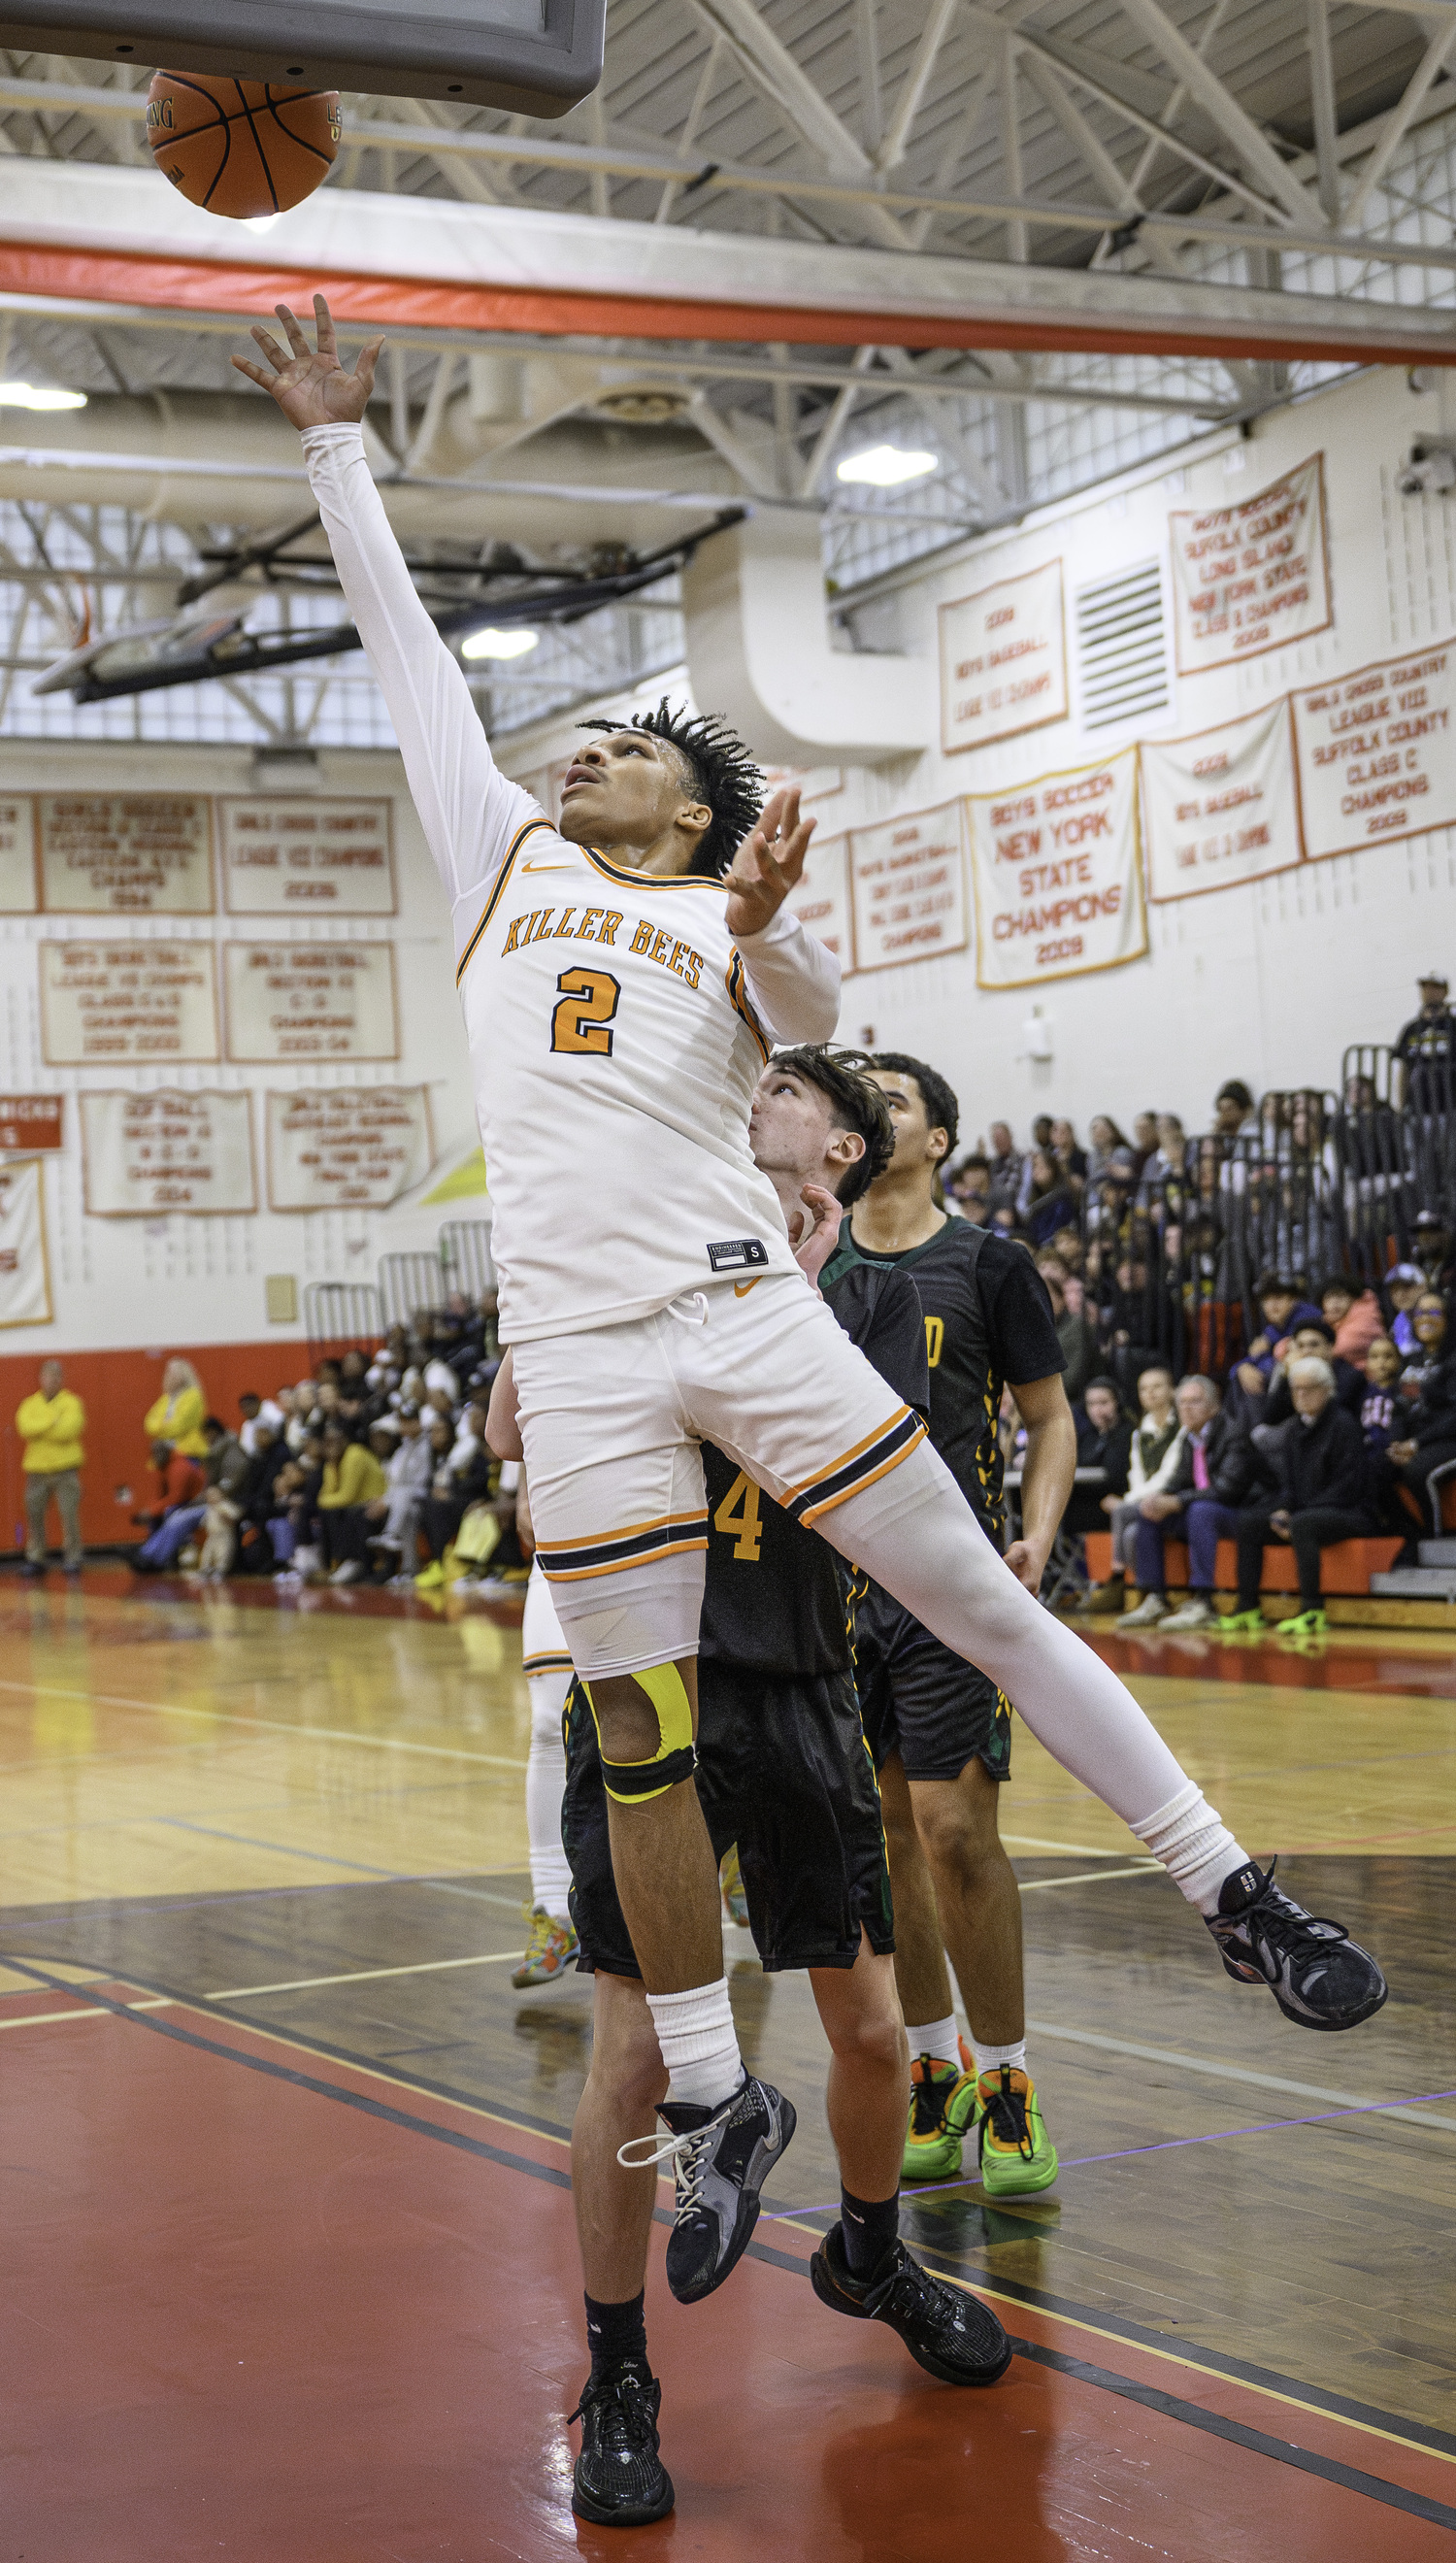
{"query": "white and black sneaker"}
(620, 2479)
(1316, 1974)
(948, 2332)
(720, 2160)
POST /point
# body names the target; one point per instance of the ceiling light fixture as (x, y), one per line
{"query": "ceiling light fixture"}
(886, 466)
(36, 396)
(492, 643)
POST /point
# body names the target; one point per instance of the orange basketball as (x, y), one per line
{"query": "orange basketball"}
(239, 146)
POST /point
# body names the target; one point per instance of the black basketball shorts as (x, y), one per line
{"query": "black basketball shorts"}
(784, 1772)
(919, 1699)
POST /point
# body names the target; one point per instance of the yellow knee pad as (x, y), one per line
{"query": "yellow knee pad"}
(630, 1783)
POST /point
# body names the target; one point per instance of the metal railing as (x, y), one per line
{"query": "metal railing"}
(465, 1250)
(340, 1317)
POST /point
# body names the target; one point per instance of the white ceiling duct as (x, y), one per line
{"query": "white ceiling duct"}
(757, 644)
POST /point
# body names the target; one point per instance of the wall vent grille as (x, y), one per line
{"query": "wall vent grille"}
(1122, 647)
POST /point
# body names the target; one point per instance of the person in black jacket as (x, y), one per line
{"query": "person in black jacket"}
(1105, 1441)
(1426, 1440)
(1321, 1463)
(1217, 1467)
(1313, 1341)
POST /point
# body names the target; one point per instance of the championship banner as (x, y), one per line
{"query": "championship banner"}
(304, 855)
(133, 854)
(908, 889)
(1058, 876)
(821, 898)
(349, 1147)
(147, 1154)
(25, 1275)
(1377, 752)
(127, 1005)
(1221, 807)
(1004, 660)
(1253, 576)
(292, 1001)
(19, 888)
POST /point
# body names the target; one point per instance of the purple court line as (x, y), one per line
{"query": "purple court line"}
(1167, 2144)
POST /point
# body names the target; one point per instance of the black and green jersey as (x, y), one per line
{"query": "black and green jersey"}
(773, 1599)
(987, 1319)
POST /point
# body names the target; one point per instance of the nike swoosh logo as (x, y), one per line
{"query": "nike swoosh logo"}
(741, 1290)
(546, 868)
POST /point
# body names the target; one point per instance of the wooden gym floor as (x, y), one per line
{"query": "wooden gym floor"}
(291, 2268)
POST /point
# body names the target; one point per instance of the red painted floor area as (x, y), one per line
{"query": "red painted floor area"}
(263, 2307)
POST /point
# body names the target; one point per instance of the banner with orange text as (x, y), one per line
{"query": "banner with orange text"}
(1378, 751)
(1058, 876)
(1221, 807)
(1251, 576)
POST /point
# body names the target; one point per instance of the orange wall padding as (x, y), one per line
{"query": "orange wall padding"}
(116, 1390)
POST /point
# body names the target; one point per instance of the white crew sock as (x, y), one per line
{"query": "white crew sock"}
(699, 2044)
(936, 2037)
(545, 1786)
(1194, 1846)
(990, 2060)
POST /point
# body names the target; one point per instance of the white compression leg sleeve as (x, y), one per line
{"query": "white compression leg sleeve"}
(915, 1535)
(545, 1786)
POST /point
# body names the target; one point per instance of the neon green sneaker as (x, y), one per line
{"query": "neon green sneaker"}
(1018, 2156)
(1309, 1623)
(942, 2099)
(1233, 1623)
(430, 1577)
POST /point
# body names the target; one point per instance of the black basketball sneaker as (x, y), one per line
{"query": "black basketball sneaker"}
(620, 2479)
(948, 2332)
(1316, 1974)
(720, 2160)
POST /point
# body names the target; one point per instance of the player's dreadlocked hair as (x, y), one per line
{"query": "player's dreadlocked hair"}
(721, 773)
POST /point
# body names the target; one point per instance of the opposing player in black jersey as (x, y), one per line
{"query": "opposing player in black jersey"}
(783, 1771)
(940, 1732)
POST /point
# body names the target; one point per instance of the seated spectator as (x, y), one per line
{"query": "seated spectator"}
(1076, 1338)
(1430, 1248)
(1321, 1499)
(1005, 1163)
(1217, 1471)
(1404, 1283)
(352, 1481)
(1312, 1340)
(969, 1190)
(1427, 1442)
(1381, 1421)
(1152, 1461)
(1067, 1243)
(256, 1499)
(1145, 1141)
(1107, 1140)
(1235, 1116)
(1356, 1320)
(1068, 1156)
(404, 1444)
(455, 1484)
(226, 1465)
(1048, 1198)
(256, 1409)
(1105, 1441)
(1281, 1308)
(176, 1511)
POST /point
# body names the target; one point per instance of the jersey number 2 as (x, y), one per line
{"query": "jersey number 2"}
(584, 1007)
(737, 1517)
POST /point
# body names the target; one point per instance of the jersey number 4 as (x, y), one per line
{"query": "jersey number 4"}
(586, 1003)
(737, 1517)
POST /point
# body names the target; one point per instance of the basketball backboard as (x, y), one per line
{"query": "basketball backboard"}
(534, 56)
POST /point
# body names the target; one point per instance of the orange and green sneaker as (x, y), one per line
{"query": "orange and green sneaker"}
(550, 1949)
(942, 2100)
(1018, 2156)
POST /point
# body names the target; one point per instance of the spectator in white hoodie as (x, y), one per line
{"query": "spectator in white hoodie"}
(1156, 1445)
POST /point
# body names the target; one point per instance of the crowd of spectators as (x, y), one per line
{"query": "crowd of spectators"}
(373, 1470)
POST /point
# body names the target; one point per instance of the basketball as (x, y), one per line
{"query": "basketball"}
(240, 148)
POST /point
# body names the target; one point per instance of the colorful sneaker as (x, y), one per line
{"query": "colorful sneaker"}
(730, 1878)
(948, 2332)
(1018, 2156)
(550, 1949)
(942, 2100)
(1232, 1623)
(720, 2160)
(620, 2479)
(1316, 1974)
(1308, 1624)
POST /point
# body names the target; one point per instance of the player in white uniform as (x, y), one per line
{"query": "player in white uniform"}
(619, 997)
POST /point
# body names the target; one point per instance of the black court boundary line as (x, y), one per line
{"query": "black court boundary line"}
(1239, 2371)
(1284, 2452)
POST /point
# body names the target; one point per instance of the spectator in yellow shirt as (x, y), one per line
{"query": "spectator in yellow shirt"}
(178, 1415)
(352, 1481)
(50, 1422)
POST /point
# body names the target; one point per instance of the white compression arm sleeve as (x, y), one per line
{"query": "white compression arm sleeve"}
(794, 979)
(469, 810)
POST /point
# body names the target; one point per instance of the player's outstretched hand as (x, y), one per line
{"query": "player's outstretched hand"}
(821, 1232)
(768, 864)
(313, 390)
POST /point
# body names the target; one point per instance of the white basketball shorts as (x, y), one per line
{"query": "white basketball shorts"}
(543, 1647)
(611, 1420)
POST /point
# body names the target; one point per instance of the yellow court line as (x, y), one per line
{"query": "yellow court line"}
(1074, 1850)
(267, 1725)
(365, 1975)
(1092, 1877)
(91, 2011)
(1172, 2357)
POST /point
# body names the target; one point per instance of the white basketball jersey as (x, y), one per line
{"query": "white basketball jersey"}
(617, 1032)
